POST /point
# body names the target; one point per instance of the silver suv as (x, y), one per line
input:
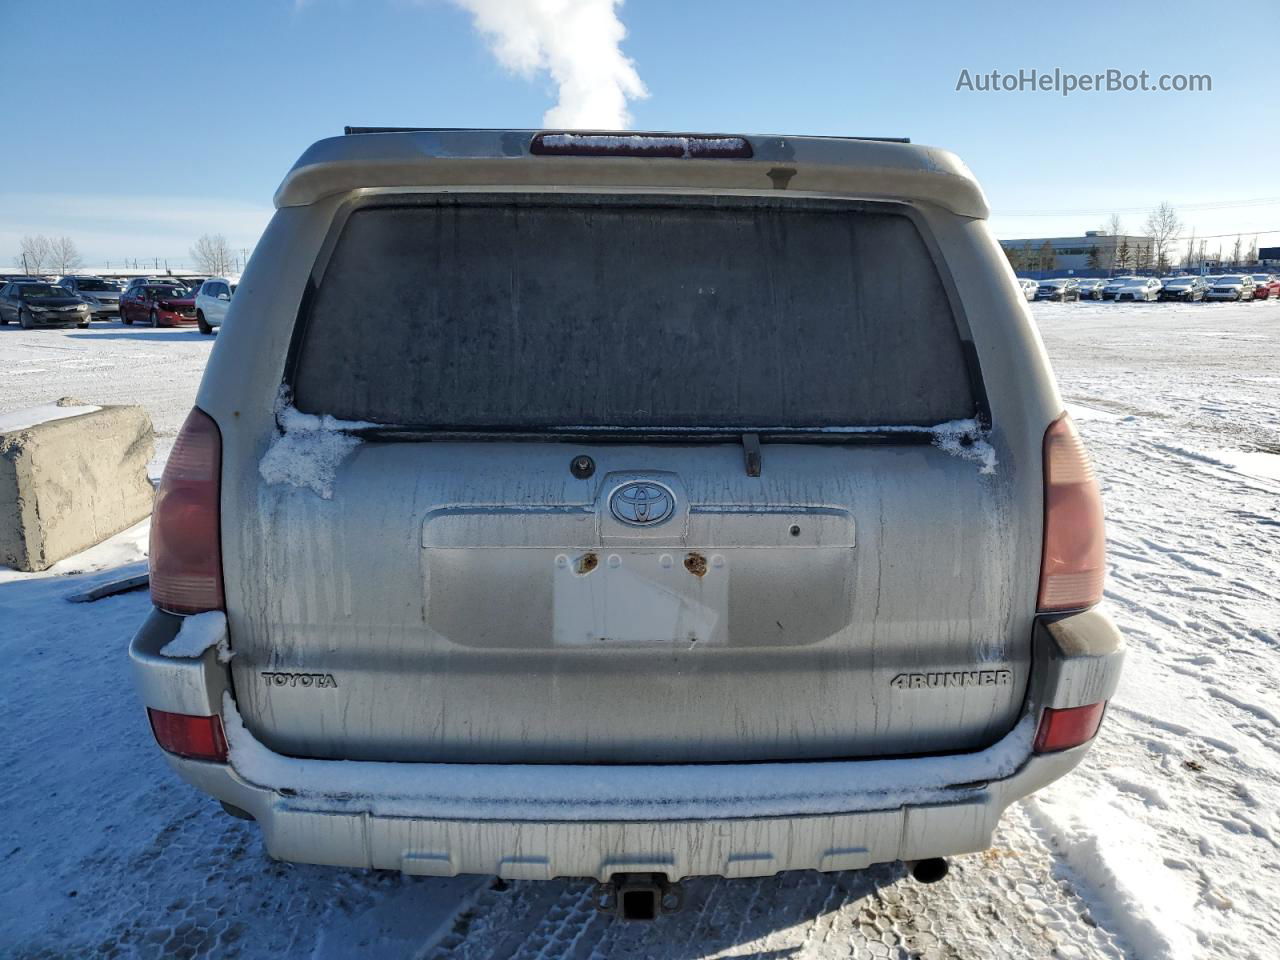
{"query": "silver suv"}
(566, 504)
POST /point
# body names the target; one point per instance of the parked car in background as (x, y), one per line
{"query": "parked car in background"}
(687, 610)
(1091, 288)
(135, 282)
(41, 305)
(1232, 286)
(212, 300)
(1028, 287)
(1266, 286)
(102, 296)
(1113, 286)
(171, 281)
(1183, 288)
(1139, 288)
(160, 305)
(1061, 289)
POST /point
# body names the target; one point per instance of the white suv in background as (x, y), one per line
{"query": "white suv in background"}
(212, 300)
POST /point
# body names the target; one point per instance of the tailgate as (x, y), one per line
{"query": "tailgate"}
(848, 602)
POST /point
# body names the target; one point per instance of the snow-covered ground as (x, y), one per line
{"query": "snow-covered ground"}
(1165, 843)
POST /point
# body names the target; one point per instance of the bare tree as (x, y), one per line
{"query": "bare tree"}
(35, 253)
(1162, 226)
(212, 255)
(1252, 255)
(1114, 228)
(1189, 258)
(64, 255)
(1235, 253)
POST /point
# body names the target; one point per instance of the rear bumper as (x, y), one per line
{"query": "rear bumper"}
(542, 821)
(175, 320)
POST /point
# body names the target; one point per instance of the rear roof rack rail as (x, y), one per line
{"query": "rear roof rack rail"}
(349, 131)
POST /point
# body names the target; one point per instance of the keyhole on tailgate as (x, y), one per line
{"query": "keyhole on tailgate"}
(586, 563)
(582, 467)
(795, 530)
(696, 564)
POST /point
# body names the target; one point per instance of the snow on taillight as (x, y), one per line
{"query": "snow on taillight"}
(186, 545)
(1074, 562)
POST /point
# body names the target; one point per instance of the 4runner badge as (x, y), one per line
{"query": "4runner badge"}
(299, 679)
(953, 678)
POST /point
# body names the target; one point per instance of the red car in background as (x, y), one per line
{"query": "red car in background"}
(159, 304)
(1266, 285)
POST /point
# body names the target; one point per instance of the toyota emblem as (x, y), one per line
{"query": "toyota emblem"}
(641, 503)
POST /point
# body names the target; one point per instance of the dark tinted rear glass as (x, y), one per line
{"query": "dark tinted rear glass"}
(558, 312)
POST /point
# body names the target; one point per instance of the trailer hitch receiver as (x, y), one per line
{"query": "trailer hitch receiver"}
(639, 896)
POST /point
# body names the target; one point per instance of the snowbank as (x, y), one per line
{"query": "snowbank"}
(1151, 906)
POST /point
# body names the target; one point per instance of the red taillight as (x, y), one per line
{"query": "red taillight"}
(196, 738)
(186, 546)
(1074, 562)
(671, 145)
(1069, 727)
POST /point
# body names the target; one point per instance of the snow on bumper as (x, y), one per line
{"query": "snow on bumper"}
(546, 820)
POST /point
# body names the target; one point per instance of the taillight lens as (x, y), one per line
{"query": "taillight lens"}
(196, 738)
(186, 546)
(1074, 562)
(1061, 729)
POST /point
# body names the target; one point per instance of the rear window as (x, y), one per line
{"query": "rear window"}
(541, 313)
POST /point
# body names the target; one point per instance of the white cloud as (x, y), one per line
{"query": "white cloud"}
(577, 42)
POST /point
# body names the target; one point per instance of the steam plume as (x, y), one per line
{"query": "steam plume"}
(577, 43)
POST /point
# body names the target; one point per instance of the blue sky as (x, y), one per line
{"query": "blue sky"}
(183, 117)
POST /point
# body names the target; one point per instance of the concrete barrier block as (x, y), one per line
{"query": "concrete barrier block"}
(71, 475)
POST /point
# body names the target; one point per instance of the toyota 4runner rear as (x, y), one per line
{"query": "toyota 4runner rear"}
(582, 504)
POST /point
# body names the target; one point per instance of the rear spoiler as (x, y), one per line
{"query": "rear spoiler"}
(867, 168)
(355, 131)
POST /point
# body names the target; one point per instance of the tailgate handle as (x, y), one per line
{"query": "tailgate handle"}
(751, 453)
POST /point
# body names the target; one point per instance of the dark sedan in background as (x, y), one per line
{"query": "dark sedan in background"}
(1064, 289)
(1091, 288)
(1183, 288)
(41, 305)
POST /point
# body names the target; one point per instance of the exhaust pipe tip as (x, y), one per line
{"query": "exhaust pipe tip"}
(929, 870)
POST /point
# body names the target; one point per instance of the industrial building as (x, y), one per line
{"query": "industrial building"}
(1096, 250)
